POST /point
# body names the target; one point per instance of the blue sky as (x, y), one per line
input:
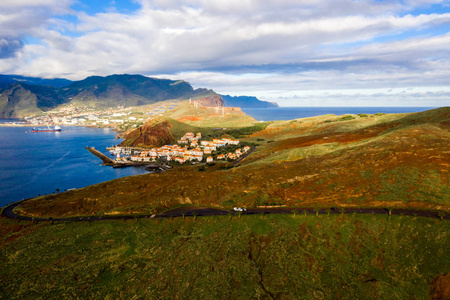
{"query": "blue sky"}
(294, 52)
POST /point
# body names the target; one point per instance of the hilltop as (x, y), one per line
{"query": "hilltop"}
(201, 115)
(6, 80)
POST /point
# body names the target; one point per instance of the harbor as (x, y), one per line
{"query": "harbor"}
(190, 149)
(122, 163)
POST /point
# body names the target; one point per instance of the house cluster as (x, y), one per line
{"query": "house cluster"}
(190, 148)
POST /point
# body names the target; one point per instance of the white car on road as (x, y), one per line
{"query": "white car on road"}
(239, 209)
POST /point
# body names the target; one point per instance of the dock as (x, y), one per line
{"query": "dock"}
(150, 166)
(106, 160)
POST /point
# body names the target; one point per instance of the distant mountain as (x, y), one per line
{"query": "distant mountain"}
(19, 99)
(247, 102)
(6, 80)
(24, 96)
(132, 89)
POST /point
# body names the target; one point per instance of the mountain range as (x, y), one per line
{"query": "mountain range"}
(25, 96)
(247, 102)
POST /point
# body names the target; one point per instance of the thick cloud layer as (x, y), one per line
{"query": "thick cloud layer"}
(277, 50)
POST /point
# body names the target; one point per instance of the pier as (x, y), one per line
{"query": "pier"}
(106, 160)
(150, 166)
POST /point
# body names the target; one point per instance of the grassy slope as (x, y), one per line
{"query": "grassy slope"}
(185, 118)
(208, 117)
(389, 161)
(287, 257)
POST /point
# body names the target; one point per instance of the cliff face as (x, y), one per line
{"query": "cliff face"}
(234, 111)
(211, 101)
(153, 133)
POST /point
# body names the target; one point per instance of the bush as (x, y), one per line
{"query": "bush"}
(379, 114)
(245, 131)
(347, 118)
(363, 115)
(229, 202)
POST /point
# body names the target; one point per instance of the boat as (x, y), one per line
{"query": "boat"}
(48, 129)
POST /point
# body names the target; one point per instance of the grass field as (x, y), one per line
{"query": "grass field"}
(271, 256)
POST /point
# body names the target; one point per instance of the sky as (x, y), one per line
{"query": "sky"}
(293, 52)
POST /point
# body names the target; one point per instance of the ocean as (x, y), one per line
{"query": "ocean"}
(290, 113)
(39, 163)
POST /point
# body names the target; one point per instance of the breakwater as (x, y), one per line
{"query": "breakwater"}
(106, 160)
(149, 166)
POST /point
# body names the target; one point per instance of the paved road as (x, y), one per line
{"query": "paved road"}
(247, 154)
(189, 211)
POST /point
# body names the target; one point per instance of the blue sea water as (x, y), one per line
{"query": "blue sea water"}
(290, 113)
(40, 163)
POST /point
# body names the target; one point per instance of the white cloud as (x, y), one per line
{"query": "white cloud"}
(246, 46)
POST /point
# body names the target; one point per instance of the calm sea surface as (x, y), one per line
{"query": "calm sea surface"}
(40, 163)
(289, 113)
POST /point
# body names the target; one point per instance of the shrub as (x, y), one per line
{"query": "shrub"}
(229, 202)
(245, 131)
(363, 115)
(347, 118)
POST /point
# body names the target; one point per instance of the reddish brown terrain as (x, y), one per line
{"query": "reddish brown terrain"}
(153, 133)
(400, 161)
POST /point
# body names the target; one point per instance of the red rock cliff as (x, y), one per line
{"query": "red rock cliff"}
(152, 133)
(211, 101)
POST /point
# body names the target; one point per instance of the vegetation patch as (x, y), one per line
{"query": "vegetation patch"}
(258, 256)
(246, 131)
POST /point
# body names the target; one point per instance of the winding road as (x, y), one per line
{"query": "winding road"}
(189, 211)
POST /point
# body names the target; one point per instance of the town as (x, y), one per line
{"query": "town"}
(190, 148)
(119, 118)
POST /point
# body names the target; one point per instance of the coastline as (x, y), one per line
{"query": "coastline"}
(34, 163)
(114, 128)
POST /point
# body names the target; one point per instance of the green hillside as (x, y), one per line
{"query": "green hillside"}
(20, 99)
(251, 257)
